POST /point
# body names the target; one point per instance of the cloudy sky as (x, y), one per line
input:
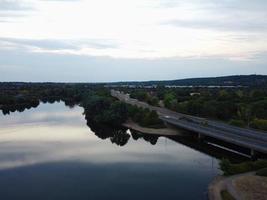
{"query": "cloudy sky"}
(114, 40)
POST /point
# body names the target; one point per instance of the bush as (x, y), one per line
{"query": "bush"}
(262, 172)
(230, 169)
(225, 166)
(145, 117)
(236, 122)
(102, 109)
(259, 124)
(226, 195)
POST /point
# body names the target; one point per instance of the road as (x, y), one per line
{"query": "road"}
(252, 139)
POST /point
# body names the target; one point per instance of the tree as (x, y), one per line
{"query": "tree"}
(245, 113)
(259, 109)
(168, 98)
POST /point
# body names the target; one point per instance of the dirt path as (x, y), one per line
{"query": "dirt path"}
(245, 186)
(162, 131)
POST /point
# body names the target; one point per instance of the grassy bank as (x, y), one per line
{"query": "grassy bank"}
(229, 168)
(226, 195)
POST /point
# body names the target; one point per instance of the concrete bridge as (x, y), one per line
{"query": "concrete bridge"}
(254, 140)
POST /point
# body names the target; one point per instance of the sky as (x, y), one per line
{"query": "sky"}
(123, 40)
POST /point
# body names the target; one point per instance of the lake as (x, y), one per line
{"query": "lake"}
(49, 152)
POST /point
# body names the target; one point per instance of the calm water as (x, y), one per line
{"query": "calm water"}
(50, 153)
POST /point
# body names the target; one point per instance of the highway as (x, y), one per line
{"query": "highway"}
(252, 139)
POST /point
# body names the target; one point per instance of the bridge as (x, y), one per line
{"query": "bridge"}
(254, 140)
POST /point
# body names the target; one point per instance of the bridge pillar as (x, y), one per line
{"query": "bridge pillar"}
(253, 154)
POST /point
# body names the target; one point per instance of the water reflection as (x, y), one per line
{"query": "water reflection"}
(51, 150)
(120, 135)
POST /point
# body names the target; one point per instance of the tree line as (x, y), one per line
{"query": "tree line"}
(245, 107)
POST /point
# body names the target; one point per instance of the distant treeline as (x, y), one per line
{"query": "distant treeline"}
(241, 80)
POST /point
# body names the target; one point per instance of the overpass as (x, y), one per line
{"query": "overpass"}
(254, 140)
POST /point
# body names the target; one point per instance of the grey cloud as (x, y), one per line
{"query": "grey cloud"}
(45, 44)
(224, 15)
(53, 44)
(99, 43)
(11, 16)
(248, 5)
(223, 25)
(63, 0)
(10, 10)
(25, 66)
(168, 3)
(217, 4)
(13, 5)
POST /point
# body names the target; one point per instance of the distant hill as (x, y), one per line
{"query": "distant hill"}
(238, 80)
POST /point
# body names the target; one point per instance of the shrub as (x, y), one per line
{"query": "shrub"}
(259, 124)
(236, 122)
(230, 169)
(262, 172)
(145, 117)
(226, 195)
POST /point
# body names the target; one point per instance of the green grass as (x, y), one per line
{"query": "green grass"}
(226, 195)
(262, 172)
(230, 169)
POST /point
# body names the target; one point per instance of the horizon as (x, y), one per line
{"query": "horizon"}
(122, 40)
(134, 81)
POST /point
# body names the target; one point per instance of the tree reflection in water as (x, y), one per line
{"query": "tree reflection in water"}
(149, 138)
(6, 110)
(119, 135)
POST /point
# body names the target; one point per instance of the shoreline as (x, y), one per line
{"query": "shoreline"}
(241, 186)
(151, 131)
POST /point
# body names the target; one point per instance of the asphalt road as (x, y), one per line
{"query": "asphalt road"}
(248, 138)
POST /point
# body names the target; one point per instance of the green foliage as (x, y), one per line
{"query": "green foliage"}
(239, 93)
(101, 109)
(259, 124)
(262, 172)
(154, 101)
(257, 94)
(225, 166)
(238, 105)
(169, 99)
(142, 95)
(226, 195)
(223, 95)
(230, 169)
(248, 104)
(145, 117)
(259, 109)
(95, 103)
(237, 122)
(245, 113)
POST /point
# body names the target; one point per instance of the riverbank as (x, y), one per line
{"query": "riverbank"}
(247, 186)
(153, 131)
